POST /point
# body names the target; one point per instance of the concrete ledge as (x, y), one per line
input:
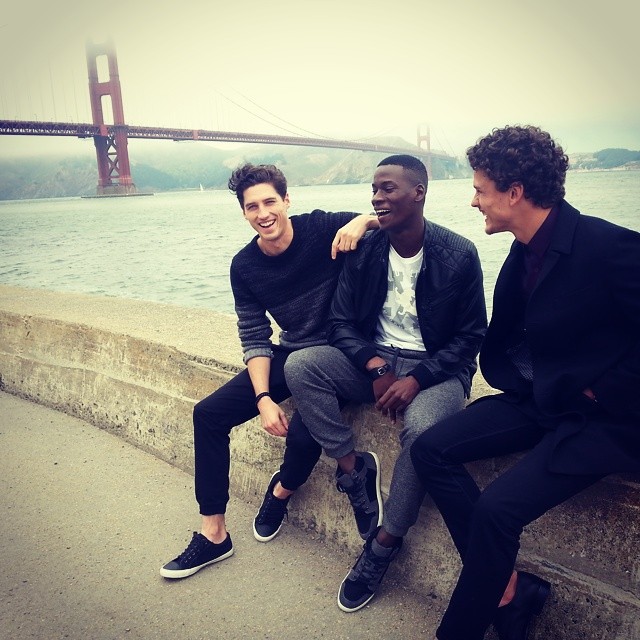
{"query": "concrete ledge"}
(137, 368)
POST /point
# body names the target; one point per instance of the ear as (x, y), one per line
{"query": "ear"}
(286, 200)
(516, 193)
(421, 192)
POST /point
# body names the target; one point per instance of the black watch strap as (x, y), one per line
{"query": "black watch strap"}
(378, 372)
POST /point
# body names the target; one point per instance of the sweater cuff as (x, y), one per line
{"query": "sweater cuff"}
(258, 352)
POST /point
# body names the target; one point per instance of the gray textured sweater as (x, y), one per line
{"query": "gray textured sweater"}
(295, 287)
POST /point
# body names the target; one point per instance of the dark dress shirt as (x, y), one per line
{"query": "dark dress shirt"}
(533, 255)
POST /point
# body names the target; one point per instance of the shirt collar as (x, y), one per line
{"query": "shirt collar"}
(541, 240)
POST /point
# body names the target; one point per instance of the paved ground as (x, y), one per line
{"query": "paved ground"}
(86, 520)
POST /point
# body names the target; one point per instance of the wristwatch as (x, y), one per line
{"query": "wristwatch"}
(378, 372)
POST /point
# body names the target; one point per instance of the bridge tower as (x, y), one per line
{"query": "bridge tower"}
(114, 172)
(425, 137)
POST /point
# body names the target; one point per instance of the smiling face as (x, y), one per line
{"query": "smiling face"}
(397, 198)
(493, 204)
(266, 211)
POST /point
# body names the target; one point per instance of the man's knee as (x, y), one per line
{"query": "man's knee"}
(295, 364)
(301, 364)
(209, 416)
(204, 415)
(199, 412)
(491, 512)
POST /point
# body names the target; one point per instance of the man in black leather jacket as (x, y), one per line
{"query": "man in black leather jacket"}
(405, 327)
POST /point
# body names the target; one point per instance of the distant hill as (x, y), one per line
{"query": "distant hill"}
(161, 166)
(606, 159)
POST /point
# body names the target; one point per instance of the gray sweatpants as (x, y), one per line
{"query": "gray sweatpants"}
(316, 376)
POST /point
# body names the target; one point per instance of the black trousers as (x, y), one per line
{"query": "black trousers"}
(228, 407)
(486, 526)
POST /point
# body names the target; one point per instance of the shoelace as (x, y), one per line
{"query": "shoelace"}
(196, 545)
(272, 511)
(370, 567)
(358, 496)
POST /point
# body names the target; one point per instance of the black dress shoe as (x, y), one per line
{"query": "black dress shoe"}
(512, 620)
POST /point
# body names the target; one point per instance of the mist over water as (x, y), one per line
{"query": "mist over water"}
(176, 247)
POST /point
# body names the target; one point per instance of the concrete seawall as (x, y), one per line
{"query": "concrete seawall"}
(136, 369)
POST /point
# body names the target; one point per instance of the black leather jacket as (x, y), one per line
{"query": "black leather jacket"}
(449, 301)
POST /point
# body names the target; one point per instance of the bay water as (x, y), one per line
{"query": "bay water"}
(176, 247)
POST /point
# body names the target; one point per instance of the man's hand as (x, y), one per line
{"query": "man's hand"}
(396, 395)
(380, 385)
(347, 237)
(274, 420)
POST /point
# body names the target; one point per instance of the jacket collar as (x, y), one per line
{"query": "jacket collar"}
(562, 238)
(561, 243)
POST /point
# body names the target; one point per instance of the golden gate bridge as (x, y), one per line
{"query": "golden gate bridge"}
(110, 140)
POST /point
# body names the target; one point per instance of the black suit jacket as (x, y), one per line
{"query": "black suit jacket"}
(582, 323)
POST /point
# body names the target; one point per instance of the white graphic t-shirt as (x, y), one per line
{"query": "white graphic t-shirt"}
(398, 322)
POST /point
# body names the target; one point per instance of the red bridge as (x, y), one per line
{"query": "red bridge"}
(114, 173)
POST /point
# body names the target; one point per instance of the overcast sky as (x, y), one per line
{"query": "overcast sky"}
(338, 68)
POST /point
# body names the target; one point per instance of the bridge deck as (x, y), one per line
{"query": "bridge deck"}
(86, 130)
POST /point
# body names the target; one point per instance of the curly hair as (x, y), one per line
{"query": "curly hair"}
(523, 155)
(249, 175)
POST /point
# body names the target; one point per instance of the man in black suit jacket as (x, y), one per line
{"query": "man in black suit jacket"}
(563, 347)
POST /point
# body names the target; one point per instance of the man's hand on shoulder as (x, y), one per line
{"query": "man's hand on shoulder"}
(347, 237)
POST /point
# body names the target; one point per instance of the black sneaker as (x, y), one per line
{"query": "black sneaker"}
(361, 582)
(268, 520)
(200, 553)
(362, 487)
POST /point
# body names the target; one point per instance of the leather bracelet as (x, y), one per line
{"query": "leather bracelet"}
(378, 372)
(259, 397)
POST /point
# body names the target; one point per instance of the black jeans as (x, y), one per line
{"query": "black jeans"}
(228, 407)
(486, 526)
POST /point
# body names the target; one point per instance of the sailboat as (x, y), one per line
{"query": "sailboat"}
(201, 187)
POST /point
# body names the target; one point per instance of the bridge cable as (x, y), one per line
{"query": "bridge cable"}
(313, 133)
(258, 116)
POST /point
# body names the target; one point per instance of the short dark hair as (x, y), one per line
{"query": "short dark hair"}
(249, 175)
(410, 163)
(523, 155)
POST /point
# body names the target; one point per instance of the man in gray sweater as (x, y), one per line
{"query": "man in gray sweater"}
(288, 270)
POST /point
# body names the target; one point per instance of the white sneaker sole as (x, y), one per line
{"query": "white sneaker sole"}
(185, 573)
(260, 538)
(380, 504)
(352, 609)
